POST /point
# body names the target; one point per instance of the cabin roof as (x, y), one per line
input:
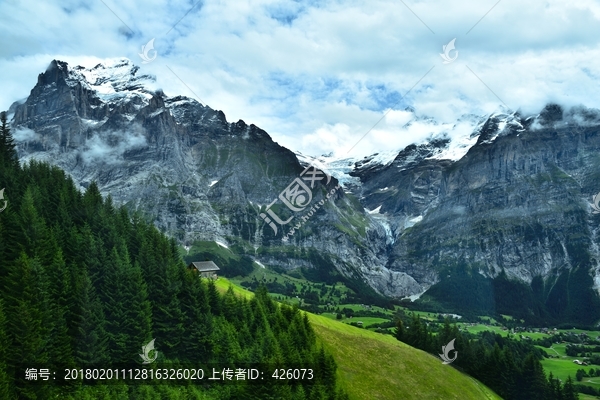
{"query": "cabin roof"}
(204, 266)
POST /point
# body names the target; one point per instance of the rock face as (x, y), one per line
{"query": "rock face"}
(509, 207)
(517, 207)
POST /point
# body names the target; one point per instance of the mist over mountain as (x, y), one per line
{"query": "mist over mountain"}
(493, 212)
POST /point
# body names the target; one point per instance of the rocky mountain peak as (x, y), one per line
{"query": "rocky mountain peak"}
(113, 75)
(107, 124)
(57, 70)
(90, 94)
(551, 113)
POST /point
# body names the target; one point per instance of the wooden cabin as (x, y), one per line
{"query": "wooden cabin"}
(206, 269)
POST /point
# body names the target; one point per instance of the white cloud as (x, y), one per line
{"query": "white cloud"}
(24, 135)
(318, 76)
(109, 147)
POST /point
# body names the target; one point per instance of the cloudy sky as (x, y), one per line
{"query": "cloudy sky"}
(319, 75)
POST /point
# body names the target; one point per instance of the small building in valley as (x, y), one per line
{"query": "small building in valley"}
(206, 269)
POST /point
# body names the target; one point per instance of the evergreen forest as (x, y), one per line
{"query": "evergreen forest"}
(510, 368)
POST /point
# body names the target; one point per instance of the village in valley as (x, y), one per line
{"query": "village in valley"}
(568, 351)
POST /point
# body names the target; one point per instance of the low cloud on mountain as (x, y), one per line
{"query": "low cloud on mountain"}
(110, 147)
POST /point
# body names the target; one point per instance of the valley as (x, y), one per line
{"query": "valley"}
(337, 311)
(377, 366)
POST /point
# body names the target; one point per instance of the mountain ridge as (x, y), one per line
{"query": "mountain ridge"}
(402, 219)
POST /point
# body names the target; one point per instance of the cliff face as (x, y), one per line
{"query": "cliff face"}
(516, 206)
(169, 157)
(511, 204)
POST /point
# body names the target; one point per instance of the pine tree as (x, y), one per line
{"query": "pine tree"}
(25, 323)
(139, 312)
(164, 280)
(59, 349)
(569, 392)
(555, 388)
(92, 340)
(445, 335)
(317, 392)
(196, 344)
(265, 346)
(509, 374)
(400, 331)
(32, 225)
(325, 369)
(127, 310)
(417, 334)
(299, 338)
(229, 305)
(213, 298)
(534, 384)
(490, 372)
(5, 381)
(299, 393)
(308, 328)
(94, 258)
(226, 347)
(92, 210)
(12, 244)
(167, 314)
(8, 153)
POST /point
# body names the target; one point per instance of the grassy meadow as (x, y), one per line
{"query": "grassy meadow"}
(376, 366)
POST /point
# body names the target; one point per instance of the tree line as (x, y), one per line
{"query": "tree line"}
(511, 368)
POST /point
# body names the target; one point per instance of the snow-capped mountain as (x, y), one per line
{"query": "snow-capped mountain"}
(446, 142)
(499, 201)
(166, 156)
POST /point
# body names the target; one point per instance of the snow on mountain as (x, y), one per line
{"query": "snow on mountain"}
(447, 141)
(113, 80)
(117, 81)
(383, 158)
(338, 168)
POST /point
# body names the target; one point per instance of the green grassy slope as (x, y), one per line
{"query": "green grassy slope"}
(564, 366)
(376, 366)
